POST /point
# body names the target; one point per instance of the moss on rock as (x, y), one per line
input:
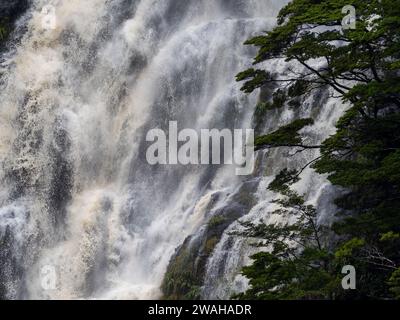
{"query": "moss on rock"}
(185, 274)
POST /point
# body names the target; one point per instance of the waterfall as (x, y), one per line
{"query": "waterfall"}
(77, 194)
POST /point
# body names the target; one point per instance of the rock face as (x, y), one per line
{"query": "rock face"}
(12, 9)
(186, 271)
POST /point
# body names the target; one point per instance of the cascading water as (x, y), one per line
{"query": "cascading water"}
(77, 193)
(222, 277)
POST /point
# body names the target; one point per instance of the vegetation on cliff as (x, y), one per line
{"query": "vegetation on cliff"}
(361, 66)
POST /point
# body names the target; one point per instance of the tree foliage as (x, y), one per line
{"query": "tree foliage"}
(298, 263)
(360, 66)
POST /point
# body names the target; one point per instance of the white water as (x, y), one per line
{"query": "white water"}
(223, 278)
(76, 193)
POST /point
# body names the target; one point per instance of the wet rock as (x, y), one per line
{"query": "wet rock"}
(185, 274)
(12, 9)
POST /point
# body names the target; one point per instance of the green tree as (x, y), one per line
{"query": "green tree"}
(361, 66)
(298, 263)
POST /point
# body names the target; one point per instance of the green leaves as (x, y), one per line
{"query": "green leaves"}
(283, 180)
(361, 66)
(394, 283)
(297, 263)
(285, 136)
(258, 79)
(299, 88)
(311, 30)
(390, 236)
(346, 250)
